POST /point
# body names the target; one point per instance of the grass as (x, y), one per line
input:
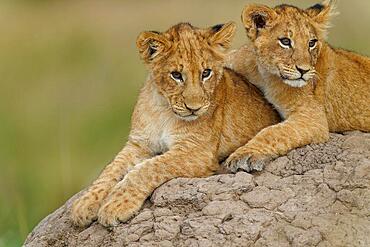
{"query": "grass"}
(70, 74)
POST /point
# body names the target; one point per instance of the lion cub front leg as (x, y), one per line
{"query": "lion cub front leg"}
(128, 196)
(298, 130)
(85, 208)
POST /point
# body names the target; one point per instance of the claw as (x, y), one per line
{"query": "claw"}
(234, 165)
(258, 165)
(246, 163)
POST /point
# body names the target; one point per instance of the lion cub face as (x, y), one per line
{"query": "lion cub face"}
(187, 64)
(287, 39)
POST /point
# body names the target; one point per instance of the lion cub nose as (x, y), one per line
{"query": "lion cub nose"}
(193, 107)
(302, 70)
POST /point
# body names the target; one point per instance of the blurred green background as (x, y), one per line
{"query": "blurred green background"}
(69, 77)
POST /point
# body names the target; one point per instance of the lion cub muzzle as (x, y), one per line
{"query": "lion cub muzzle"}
(297, 75)
(193, 102)
(191, 108)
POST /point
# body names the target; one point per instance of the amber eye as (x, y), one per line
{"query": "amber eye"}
(285, 43)
(312, 43)
(177, 76)
(206, 74)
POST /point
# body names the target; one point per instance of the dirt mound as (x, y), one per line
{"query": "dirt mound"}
(318, 195)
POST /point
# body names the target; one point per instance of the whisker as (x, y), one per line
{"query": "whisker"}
(317, 75)
(288, 69)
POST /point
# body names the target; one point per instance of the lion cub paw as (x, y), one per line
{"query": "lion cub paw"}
(244, 160)
(85, 209)
(119, 207)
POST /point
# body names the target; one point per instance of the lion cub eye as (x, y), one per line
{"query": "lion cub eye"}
(285, 43)
(312, 43)
(177, 76)
(206, 74)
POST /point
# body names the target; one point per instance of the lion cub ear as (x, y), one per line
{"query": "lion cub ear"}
(151, 44)
(322, 12)
(220, 36)
(256, 17)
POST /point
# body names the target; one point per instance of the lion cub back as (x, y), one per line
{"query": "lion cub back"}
(344, 89)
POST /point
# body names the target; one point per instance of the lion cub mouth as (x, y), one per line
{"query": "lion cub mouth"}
(295, 83)
(190, 117)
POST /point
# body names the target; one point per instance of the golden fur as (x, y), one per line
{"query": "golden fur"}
(180, 128)
(315, 88)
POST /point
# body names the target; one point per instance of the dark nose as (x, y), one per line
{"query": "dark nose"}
(193, 108)
(302, 71)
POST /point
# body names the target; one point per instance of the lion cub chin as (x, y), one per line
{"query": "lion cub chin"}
(191, 114)
(315, 88)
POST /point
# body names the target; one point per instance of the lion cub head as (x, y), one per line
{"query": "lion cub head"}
(287, 40)
(186, 64)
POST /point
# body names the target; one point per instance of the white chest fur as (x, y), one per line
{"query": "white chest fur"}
(159, 135)
(155, 132)
(269, 95)
(159, 123)
(264, 84)
(156, 122)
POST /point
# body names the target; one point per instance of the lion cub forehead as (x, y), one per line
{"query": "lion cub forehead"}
(182, 30)
(184, 34)
(188, 42)
(294, 20)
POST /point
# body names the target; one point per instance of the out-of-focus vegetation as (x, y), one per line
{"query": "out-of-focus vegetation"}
(69, 76)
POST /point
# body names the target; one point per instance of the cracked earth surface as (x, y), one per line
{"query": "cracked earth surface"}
(318, 195)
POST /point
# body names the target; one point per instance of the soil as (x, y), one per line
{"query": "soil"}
(318, 195)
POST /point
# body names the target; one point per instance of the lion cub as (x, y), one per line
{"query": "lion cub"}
(191, 114)
(315, 87)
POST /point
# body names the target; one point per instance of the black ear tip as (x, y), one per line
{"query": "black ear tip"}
(217, 27)
(317, 7)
